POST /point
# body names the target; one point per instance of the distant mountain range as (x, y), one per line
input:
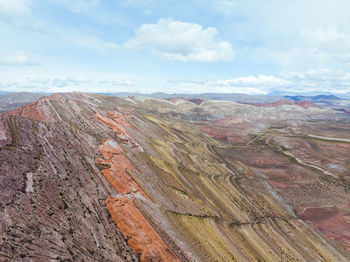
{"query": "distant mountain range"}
(234, 97)
(314, 98)
(10, 101)
(330, 101)
(237, 97)
(310, 94)
(324, 100)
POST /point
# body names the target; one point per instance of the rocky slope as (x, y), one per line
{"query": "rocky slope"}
(96, 178)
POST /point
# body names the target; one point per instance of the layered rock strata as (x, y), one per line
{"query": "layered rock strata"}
(142, 238)
(95, 178)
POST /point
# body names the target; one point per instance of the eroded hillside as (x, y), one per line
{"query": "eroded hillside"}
(95, 178)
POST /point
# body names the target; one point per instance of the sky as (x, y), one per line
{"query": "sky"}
(175, 46)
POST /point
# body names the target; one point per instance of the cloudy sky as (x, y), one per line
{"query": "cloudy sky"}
(193, 46)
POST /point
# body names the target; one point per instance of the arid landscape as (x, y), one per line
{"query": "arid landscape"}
(99, 178)
(168, 131)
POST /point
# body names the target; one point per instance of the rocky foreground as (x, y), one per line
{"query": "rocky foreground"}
(97, 178)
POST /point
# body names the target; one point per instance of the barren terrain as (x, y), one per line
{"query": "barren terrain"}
(100, 178)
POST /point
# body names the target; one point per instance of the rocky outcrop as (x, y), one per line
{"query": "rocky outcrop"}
(118, 123)
(114, 167)
(142, 238)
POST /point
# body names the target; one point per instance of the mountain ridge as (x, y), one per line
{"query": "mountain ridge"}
(145, 178)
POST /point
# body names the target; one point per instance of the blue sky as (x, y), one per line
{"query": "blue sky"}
(192, 46)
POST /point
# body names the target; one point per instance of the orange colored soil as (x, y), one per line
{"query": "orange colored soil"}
(119, 123)
(142, 238)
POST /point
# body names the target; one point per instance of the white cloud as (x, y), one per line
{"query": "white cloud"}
(226, 7)
(211, 87)
(320, 47)
(139, 3)
(52, 84)
(9, 8)
(19, 59)
(297, 35)
(96, 44)
(244, 85)
(329, 43)
(326, 35)
(317, 48)
(262, 81)
(179, 41)
(308, 82)
(322, 80)
(116, 82)
(77, 6)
